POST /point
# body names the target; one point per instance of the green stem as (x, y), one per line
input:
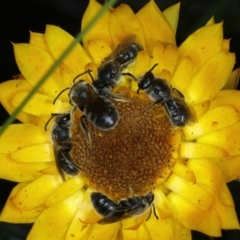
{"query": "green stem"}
(56, 64)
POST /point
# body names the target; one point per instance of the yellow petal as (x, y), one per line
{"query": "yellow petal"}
(226, 138)
(38, 39)
(129, 234)
(8, 89)
(19, 77)
(157, 53)
(201, 108)
(180, 232)
(228, 216)
(51, 170)
(165, 56)
(14, 215)
(184, 172)
(232, 81)
(213, 120)
(53, 222)
(210, 175)
(226, 45)
(87, 214)
(108, 233)
(20, 171)
(36, 135)
(202, 44)
(98, 49)
(183, 74)
(34, 62)
(143, 233)
(35, 193)
(195, 218)
(142, 64)
(226, 97)
(153, 21)
(40, 104)
(41, 121)
(67, 75)
(141, 67)
(136, 222)
(229, 167)
(65, 190)
(210, 78)
(28, 154)
(172, 15)
(58, 40)
(77, 229)
(162, 205)
(198, 196)
(211, 21)
(122, 23)
(165, 74)
(201, 150)
(99, 30)
(159, 229)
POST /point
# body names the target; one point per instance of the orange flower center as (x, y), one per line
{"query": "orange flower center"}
(129, 159)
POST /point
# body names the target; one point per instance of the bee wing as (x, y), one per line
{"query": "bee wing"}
(119, 215)
(185, 107)
(56, 150)
(121, 48)
(187, 110)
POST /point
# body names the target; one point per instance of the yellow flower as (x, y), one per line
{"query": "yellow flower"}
(188, 178)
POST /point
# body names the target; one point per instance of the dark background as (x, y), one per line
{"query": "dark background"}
(17, 17)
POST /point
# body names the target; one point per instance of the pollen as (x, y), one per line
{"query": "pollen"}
(130, 158)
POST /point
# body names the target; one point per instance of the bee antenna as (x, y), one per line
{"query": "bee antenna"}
(149, 215)
(138, 90)
(153, 67)
(157, 102)
(131, 191)
(54, 101)
(88, 71)
(53, 115)
(154, 212)
(130, 75)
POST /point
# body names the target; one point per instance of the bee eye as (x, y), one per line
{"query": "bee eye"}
(67, 118)
(113, 75)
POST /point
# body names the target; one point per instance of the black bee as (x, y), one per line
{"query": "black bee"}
(98, 109)
(114, 212)
(110, 70)
(62, 145)
(161, 92)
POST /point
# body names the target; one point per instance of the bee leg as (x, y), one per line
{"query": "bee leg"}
(169, 114)
(85, 130)
(65, 164)
(68, 164)
(130, 75)
(120, 99)
(105, 92)
(60, 166)
(160, 101)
